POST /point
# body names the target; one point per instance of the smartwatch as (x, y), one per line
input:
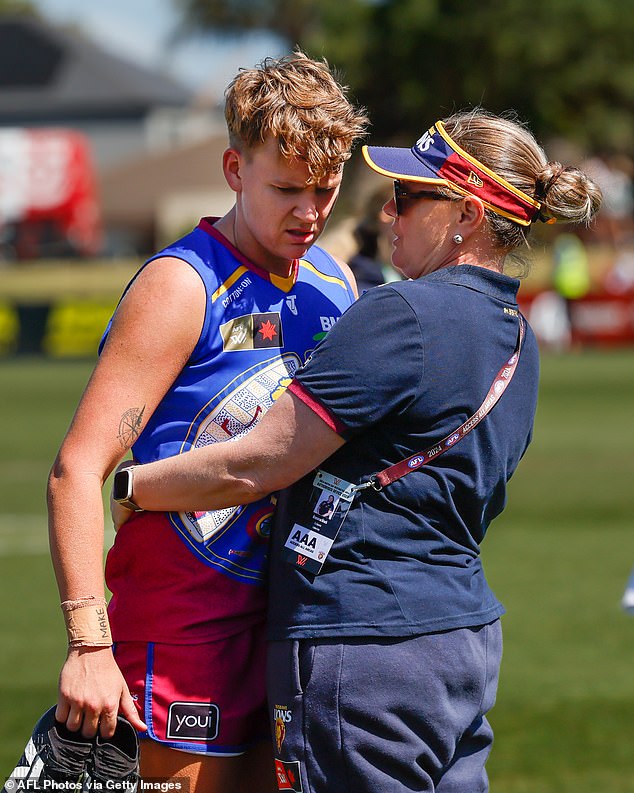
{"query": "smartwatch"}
(122, 489)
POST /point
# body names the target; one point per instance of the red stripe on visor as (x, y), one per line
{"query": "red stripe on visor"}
(462, 173)
(465, 172)
(436, 159)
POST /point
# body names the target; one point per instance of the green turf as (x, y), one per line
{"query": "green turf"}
(558, 558)
(37, 400)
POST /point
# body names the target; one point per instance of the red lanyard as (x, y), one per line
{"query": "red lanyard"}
(388, 475)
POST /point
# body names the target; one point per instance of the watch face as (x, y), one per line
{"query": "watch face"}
(120, 485)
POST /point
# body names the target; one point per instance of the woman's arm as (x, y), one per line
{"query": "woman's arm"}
(289, 442)
(155, 328)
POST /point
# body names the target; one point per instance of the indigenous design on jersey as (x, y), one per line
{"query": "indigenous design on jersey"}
(259, 328)
(229, 415)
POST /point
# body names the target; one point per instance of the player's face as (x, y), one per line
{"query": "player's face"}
(422, 239)
(279, 213)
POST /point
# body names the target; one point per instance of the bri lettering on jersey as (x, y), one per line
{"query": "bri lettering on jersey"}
(327, 322)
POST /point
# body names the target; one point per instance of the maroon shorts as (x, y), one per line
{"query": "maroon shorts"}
(202, 698)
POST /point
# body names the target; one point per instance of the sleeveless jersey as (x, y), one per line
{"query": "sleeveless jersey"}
(193, 576)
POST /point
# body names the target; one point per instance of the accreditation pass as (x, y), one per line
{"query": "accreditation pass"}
(310, 540)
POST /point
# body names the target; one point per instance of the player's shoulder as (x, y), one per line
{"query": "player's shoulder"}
(200, 256)
(330, 268)
(168, 273)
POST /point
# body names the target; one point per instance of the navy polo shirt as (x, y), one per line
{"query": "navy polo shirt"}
(406, 365)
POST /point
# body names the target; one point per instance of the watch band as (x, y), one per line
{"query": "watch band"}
(122, 489)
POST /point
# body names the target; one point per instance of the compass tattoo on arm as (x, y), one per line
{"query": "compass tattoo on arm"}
(130, 426)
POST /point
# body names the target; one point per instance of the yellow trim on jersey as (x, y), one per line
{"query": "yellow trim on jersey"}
(229, 282)
(330, 278)
(284, 282)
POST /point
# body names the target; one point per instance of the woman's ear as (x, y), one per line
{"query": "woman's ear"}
(231, 164)
(471, 215)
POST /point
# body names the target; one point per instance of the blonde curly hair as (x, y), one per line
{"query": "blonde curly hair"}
(298, 101)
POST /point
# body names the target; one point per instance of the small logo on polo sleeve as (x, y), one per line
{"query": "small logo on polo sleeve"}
(193, 721)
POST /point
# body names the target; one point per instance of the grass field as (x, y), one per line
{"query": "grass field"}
(558, 558)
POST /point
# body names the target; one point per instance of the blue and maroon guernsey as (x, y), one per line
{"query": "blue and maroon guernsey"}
(191, 577)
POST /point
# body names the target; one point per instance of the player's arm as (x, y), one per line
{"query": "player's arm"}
(289, 442)
(155, 329)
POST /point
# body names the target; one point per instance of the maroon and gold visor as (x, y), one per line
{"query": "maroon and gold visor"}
(436, 159)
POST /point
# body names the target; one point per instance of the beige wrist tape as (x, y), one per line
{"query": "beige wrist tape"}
(87, 622)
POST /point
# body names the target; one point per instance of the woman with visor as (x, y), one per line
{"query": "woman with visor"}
(385, 639)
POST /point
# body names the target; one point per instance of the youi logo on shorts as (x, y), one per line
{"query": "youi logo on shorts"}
(197, 721)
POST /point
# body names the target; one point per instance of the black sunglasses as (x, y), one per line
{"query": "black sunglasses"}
(400, 195)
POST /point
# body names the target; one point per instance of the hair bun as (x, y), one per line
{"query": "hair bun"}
(546, 179)
(567, 195)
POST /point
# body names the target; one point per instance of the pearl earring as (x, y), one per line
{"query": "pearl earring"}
(457, 238)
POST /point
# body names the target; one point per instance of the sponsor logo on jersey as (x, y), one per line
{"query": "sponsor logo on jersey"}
(252, 332)
(326, 324)
(197, 721)
(291, 302)
(236, 292)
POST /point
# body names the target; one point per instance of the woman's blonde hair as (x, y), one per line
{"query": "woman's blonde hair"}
(507, 147)
(298, 101)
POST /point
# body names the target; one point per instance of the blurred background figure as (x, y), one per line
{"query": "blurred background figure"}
(549, 319)
(627, 602)
(372, 235)
(614, 174)
(551, 312)
(615, 223)
(571, 276)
